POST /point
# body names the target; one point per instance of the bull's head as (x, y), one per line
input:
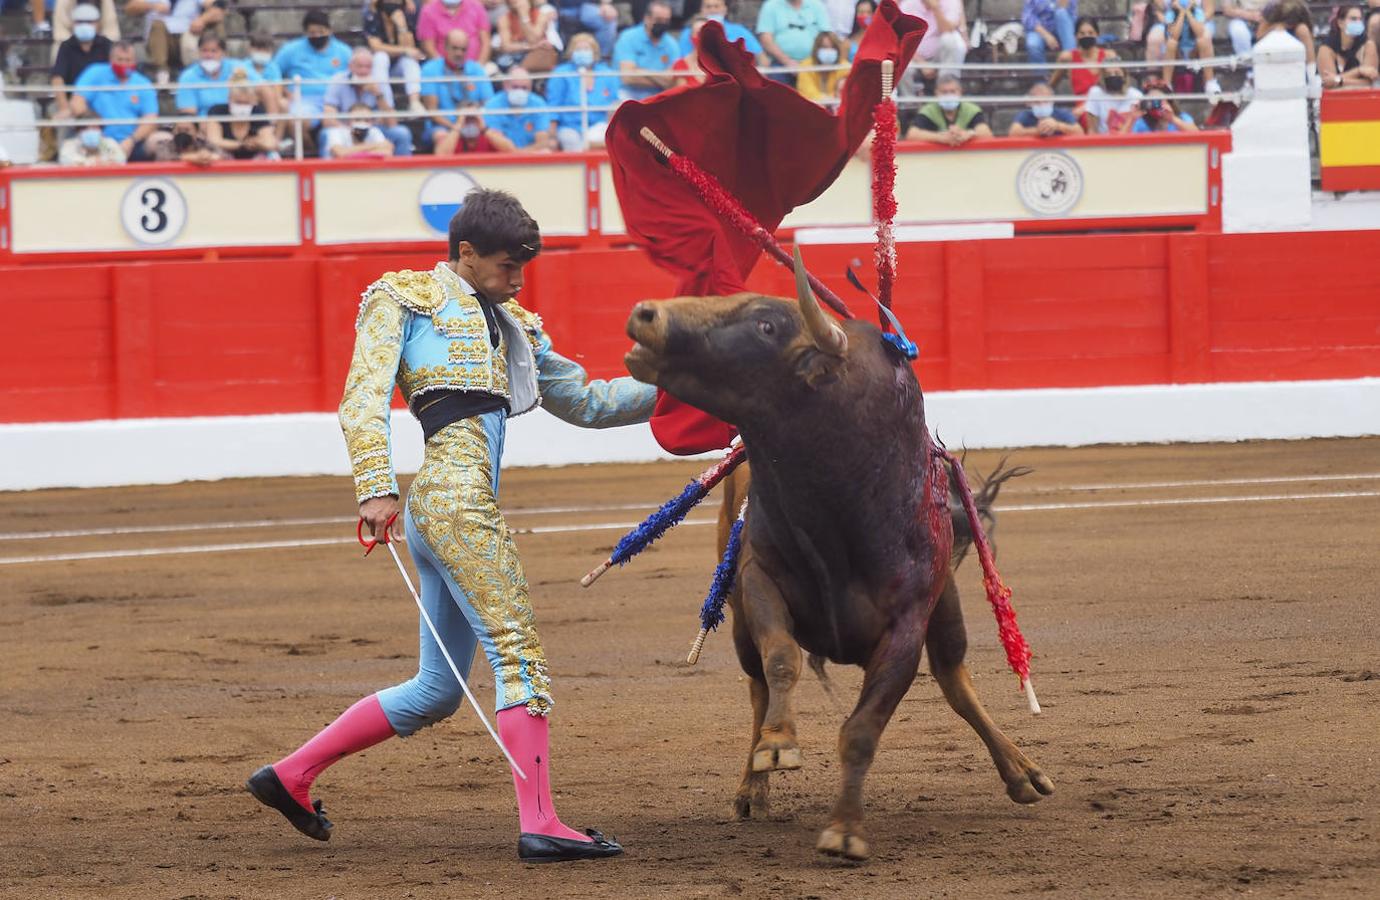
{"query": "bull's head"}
(738, 356)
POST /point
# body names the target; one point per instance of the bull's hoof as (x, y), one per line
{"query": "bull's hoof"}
(840, 840)
(1031, 788)
(745, 806)
(769, 759)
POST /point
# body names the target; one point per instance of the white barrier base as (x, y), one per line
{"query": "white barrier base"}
(164, 451)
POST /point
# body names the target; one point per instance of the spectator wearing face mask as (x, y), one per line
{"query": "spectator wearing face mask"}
(1112, 106)
(172, 28)
(443, 97)
(582, 78)
(787, 30)
(1081, 79)
(717, 11)
(183, 144)
(64, 18)
(75, 53)
(1347, 58)
(948, 119)
(203, 84)
(90, 147)
(260, 62)
(687, 68)
(317, 56)
(471, 134)
(598, 17)
(519, 117)
(821, 87)
(647, 48)
(863, 11)
(1042, 118)
(357, 88)
(245, 135)
(136, 99)
(390, 31)
(439, 18)
(355, 137)
(1188, 33)
(1158, 112)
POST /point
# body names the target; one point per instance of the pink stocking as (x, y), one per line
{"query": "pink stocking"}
(358, 728)
(526, 737)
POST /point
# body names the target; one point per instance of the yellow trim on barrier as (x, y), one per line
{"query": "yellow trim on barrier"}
(1350, 144)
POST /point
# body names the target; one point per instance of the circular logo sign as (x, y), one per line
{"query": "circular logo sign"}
(1049, 183)
(153, 211)
(441, 196)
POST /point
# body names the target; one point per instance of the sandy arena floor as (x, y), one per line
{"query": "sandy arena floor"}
(1203, 618)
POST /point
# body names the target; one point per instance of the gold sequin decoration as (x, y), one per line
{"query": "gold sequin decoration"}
(368, 387)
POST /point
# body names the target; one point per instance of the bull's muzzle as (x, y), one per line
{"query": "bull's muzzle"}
(648, 325)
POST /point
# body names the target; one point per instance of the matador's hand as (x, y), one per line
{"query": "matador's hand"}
(376, 511)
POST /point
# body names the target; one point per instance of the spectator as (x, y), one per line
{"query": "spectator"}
(529, 127)
(90, 147)
(1081, 80)
(1347, 59)
(75, 53)
(246, 135)
(63, 18)
(357, 88)
(171, 30)
(441, 97)
(355, 137)
(472, 135)
(1158, 112)
(1373, 22)
(440, 17)
(38, 11)
(1112, 106)
(1048, 23)
(261, 63)
(316, 56)
(527, 36)
(823, 87)
(842, 16)
(1042, 118)
(390, 31)
(583, 77)
(717, 11)
(863, 11)
(1243, 18)
(949, 119)
(598, 17)
(1293, 17)
(787, 30)
(647, 48)
(687, 68)
(946, 39)
(136, 100)
(1152, 30)
(203, 85)
(1188, 32)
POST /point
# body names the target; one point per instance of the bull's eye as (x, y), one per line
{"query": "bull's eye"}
(766, 327)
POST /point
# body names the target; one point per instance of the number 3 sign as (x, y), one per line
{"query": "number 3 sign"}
(153, 211)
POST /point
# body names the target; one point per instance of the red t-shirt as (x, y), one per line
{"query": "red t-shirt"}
(1084, 79)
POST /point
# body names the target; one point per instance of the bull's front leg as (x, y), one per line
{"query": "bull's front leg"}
(753, 797)
(764, 611)
(889, 674)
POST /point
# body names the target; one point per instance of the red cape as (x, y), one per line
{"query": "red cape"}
(770, 147)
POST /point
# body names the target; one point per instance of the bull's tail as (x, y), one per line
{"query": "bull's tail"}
(817, 663)
(984, 500)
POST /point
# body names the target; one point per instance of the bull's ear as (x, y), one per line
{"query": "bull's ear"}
(818, 369)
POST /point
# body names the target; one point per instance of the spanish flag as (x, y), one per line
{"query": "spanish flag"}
(1350, 140)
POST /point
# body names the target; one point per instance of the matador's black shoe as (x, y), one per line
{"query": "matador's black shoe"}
(268, 789)
(539, 848)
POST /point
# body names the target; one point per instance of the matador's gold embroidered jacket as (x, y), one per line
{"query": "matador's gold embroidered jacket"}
(425, 331)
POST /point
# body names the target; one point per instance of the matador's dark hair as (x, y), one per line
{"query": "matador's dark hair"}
(495, 222)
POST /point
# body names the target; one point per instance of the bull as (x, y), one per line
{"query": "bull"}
(847, 541)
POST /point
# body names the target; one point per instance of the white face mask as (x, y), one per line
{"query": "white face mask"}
(451, 3)
(948, 104)
(211, 67)
(241, 110)
(85, 32)
(518, 96)
(261, 58)
(1042, 110)
(827, 56)
(91, 138)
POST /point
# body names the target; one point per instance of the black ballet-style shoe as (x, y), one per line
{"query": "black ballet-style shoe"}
(539, 848)
(268, 789)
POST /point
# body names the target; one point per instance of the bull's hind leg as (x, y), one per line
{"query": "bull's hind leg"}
(764, 613)
(947, 643)
(889, 674)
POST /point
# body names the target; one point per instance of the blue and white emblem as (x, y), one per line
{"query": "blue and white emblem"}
(441, 196)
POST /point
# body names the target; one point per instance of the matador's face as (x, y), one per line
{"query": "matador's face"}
(497, 276)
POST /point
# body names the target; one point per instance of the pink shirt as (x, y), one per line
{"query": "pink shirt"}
(953, 11)
(436, 21)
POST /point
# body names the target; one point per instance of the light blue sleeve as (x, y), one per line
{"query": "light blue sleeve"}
(484, 88)
(335, 96)
(283, 60)
(569, 395)
(623, 47)
(821, 16)
(431, 70)
(750, 41)
(766, 19)
(186, 95)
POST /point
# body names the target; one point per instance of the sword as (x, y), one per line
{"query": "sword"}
(436, 636)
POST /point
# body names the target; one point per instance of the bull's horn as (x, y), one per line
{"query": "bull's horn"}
(824, 331)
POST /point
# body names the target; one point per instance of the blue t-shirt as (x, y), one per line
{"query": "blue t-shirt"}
(271, 71)
(563, 89)
(733, 31)
(199, 91)
(138, 101)
(793, 29)
(1028, 120)
(450, 94)
(1140, 127)
(521, 129)
(299, 58)
(636, 46)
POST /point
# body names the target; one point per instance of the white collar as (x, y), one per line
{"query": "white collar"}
(461, 283)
